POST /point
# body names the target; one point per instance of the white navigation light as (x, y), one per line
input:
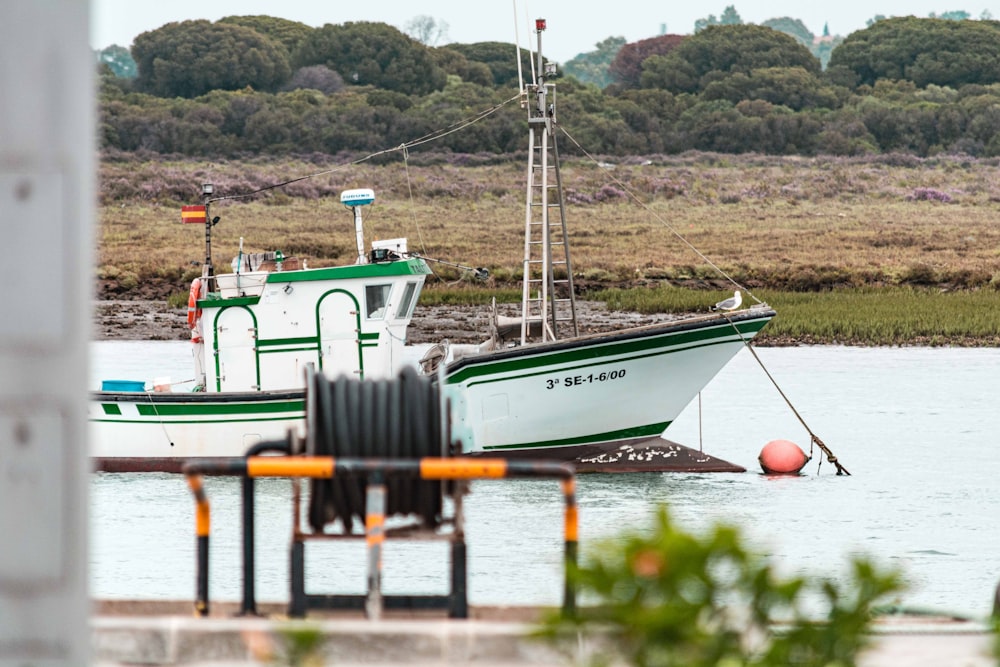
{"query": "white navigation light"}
(358, 197)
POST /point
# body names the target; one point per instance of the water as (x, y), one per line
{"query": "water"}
(916, 428)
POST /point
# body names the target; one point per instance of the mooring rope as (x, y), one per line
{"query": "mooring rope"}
(813, 438)
(163, 425)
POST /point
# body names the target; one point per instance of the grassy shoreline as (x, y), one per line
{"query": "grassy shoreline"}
(847, 251)
(891, 316)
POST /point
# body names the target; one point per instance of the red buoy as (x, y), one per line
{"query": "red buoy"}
(782, 457)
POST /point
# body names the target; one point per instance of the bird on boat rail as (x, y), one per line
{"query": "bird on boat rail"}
(732, 303)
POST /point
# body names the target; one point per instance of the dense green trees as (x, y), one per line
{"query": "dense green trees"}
(500, 58)
(453, 62)
(191, 58)
(922, 86)
(724, 50)
(626, 68)
(372, 54)
(287, 33)
(793, 87)
(925, 51)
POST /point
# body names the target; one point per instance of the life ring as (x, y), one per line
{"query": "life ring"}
(194, 312)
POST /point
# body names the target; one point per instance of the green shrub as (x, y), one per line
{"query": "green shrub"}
(671, 599)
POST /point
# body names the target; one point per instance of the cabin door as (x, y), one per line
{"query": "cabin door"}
(236, 350)
(339, 316)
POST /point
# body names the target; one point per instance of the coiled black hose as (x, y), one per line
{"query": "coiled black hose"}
(390, 418)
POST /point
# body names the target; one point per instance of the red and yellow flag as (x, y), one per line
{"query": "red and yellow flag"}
(193, 214)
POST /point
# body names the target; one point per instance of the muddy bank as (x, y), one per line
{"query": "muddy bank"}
(120, 319)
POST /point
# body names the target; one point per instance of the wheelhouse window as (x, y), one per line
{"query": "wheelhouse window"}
(376, 299)
(406, 304)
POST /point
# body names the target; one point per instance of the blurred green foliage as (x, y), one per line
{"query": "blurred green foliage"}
(669, 598)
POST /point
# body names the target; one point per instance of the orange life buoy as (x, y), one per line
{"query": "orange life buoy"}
(194, 312)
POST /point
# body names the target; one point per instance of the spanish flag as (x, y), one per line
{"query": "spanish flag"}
(193, 214)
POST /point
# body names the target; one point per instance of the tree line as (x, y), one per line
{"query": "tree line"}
(257, 84)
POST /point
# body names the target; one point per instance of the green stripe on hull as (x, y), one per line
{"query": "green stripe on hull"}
(170, 422)
(195, 409)
(596, 354)
(648, 431)
(603, 361)
(215, 300)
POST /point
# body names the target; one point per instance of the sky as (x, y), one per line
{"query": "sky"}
(573, 26)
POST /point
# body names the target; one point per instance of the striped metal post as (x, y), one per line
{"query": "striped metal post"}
(297, 573)
(459, 607)
(248, 607)
(570, 532)
(203, 528)
(375, 538)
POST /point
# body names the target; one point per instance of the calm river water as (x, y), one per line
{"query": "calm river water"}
(916, 427)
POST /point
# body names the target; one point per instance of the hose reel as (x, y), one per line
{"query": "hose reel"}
(387, 418)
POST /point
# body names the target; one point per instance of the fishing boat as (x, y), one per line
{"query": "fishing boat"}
(534, 387)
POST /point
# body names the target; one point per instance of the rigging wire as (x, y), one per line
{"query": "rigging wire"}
(409, 189)
(427, 138)
(661, 220)
(522, 90)
(531, 53)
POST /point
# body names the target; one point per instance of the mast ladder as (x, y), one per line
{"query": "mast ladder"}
(548, 301)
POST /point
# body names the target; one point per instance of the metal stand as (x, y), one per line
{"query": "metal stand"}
(374, 602)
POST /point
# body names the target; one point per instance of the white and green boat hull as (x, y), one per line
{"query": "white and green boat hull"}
(616, 388)
(148, 431)
(562, 399)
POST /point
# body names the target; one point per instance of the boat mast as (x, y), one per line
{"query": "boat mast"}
(207, 270)
(548, 302)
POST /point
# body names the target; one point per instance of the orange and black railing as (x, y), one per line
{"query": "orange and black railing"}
(376, 473)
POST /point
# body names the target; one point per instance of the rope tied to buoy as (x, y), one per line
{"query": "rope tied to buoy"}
(841, 470)
(813, 438)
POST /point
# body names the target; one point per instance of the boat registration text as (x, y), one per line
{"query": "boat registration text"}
(590, 378)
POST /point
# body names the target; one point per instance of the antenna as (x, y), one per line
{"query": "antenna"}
(517, 58)
(356, 199)
(531, 58)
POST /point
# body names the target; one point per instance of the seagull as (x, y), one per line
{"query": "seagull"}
(731, 303)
